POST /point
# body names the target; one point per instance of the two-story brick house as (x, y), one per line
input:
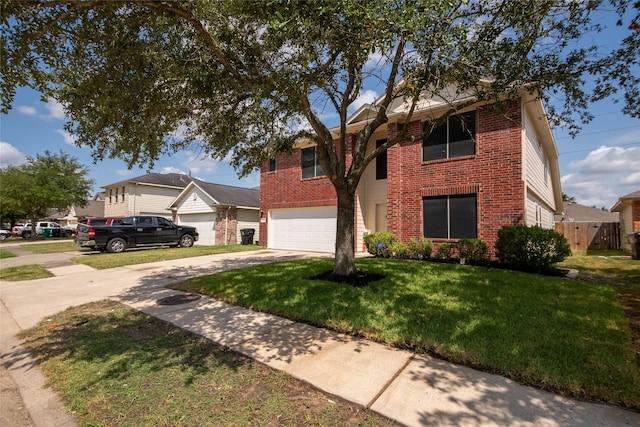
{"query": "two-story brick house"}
(474, 174)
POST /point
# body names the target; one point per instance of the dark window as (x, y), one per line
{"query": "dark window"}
(381, 161)
(454, 138)
(123, 193)
(272, 165)
(450, 217)
(310, 166)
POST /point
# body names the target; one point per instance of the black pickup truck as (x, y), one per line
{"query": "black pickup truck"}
(134, 231)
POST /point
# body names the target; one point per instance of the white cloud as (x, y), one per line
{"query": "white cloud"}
(609, 159)
(68, 138)
(604, 175)
(172, 169)
(366, 97)
(29, 111)
(10, 155)
(375, 60)
(55, 110)
(124, 172)
(199, 164)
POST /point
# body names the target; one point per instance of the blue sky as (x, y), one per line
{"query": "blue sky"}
(597, 167)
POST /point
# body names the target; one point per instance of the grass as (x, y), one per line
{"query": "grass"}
(6, 254)
(606, 266)
(24, 272)
(112, 365)
(51, 248)
(140, 256)
(566, 336)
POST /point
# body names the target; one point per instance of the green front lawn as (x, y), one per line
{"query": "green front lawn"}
(140, 256)
(562, 335)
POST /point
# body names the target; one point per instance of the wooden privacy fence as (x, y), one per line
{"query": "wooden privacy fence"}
(584, 236)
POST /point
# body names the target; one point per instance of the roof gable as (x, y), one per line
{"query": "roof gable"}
(225, 195)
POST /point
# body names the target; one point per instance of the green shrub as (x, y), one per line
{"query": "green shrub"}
(378, 242)
(532, 249)
(445, 251)
(473, 250)
(420, 248)
(397, 250)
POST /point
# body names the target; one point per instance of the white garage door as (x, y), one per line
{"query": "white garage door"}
(204, 223)
(304, 229)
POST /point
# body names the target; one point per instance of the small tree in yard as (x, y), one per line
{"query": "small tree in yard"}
(46, 182)
(143, 78)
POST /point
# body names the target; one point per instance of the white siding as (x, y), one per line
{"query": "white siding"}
(196, 201)
(538, 213)
(371, 192)
(140, 199)
(537, 168)
(248, 218)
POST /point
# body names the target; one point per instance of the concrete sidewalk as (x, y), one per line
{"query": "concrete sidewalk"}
(413, 389)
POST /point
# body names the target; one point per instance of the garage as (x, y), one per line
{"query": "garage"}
(303, 229)
(205, 223)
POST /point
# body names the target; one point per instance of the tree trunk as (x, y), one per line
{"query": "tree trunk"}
(345, 260)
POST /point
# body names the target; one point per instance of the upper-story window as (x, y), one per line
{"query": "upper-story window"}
(116, 194)
(310, 166)
(122, 196)
(272, 165)
(454, 138)
(381, 161)
(110, 194)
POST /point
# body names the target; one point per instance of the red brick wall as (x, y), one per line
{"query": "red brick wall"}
(285, 188)
(227, 226)
(635, 215)
(494, 174)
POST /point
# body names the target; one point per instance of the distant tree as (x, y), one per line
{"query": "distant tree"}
(46, 182)
(249, 79)
(9, 207)
(566, 198)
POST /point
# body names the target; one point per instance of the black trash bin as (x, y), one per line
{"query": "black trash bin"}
(247, 235)
(634, 238)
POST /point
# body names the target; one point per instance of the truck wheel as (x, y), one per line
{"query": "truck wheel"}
(186, 241)
(116, 245)
(3, 236)
(26, 234)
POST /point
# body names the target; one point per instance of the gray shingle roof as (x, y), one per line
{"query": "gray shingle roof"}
(230, 195)
(176, 180)
(580, 213)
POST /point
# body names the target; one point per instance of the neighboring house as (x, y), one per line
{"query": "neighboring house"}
(148, 194)
(71, 218)
(588, 228)
(218, 211)
(464, 181)
(629, 208)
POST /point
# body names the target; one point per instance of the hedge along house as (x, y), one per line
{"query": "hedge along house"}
(218, 211)
(477, 172)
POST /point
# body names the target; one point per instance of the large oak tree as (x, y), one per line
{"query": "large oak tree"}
(144, 78)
